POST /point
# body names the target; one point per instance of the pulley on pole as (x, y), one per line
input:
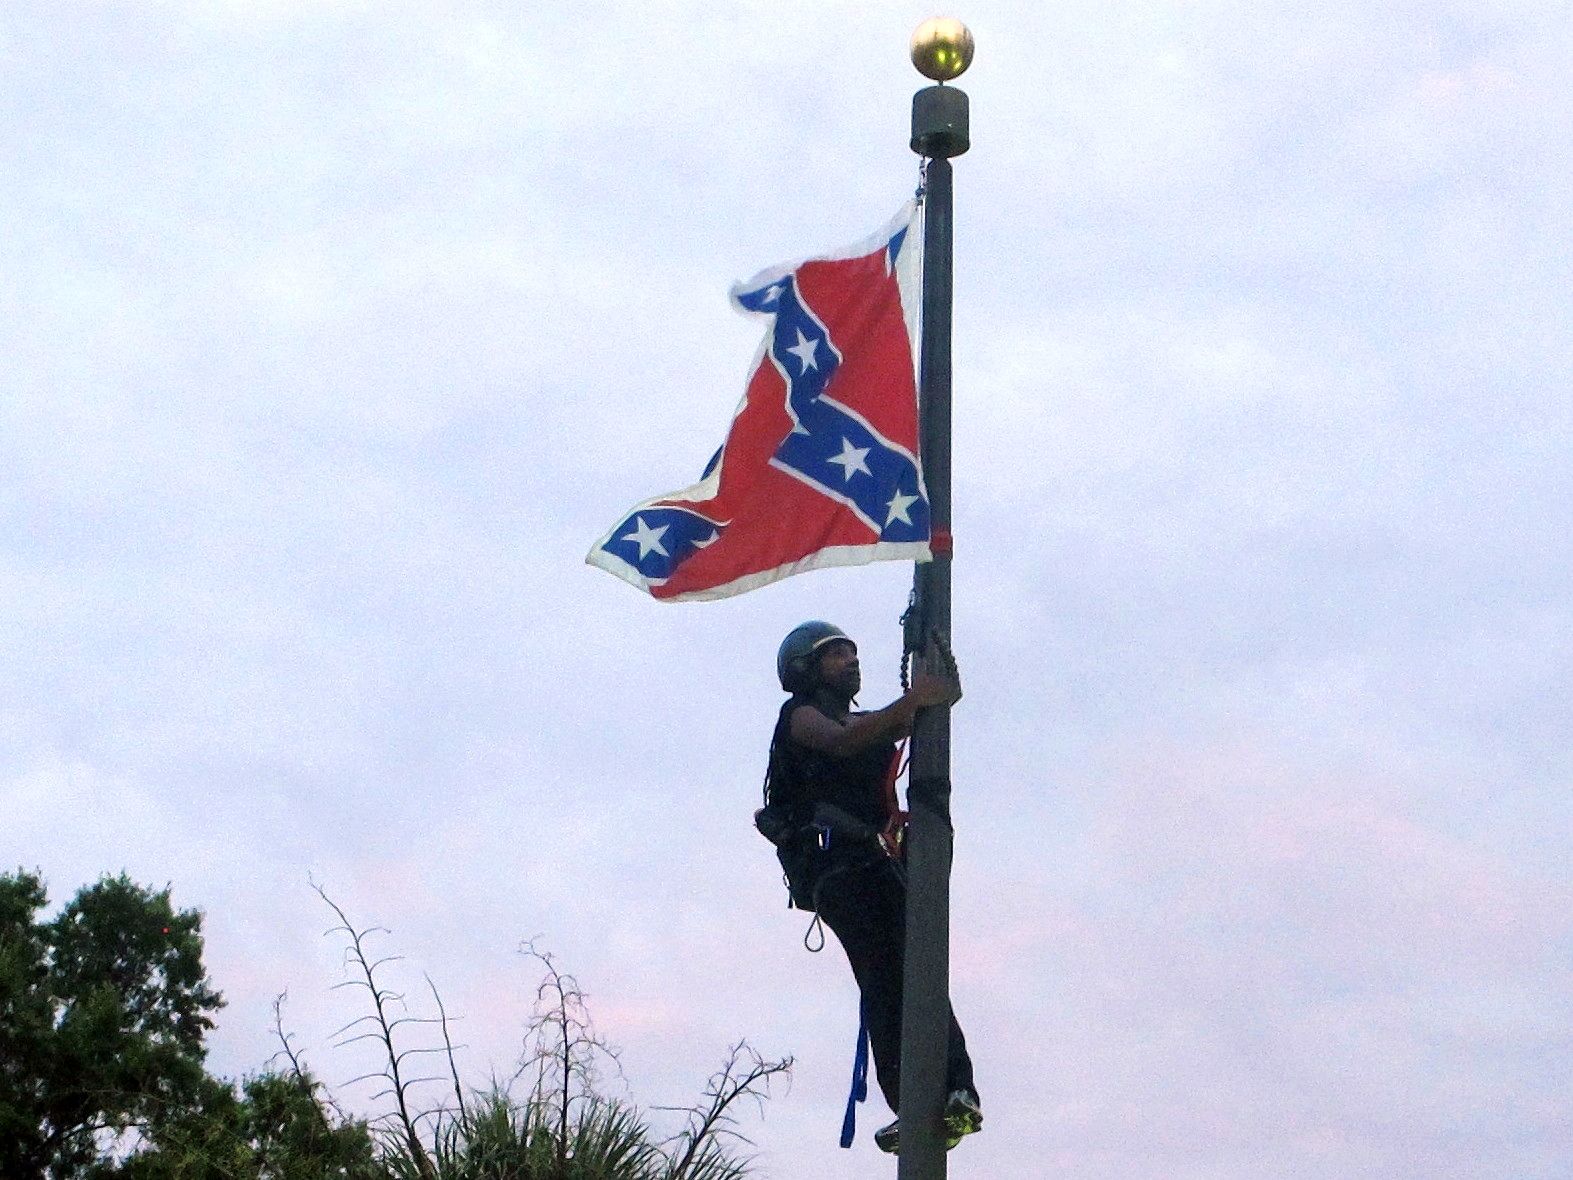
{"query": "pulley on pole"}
(941, 50)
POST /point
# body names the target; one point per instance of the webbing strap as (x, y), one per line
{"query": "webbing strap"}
(859, 1091)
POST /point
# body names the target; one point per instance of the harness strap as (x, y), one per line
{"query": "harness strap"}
(859, 1091)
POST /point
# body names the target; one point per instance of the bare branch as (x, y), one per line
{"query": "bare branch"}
(709, 1122)
(403, 1053)
(286, 1050)
(365, 1077)
(383, 1031)
(414, 1020)
(374, 1035)
(346, 1028)
(447, 1041)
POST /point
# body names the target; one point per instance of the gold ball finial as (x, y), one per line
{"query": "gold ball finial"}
(942, 48)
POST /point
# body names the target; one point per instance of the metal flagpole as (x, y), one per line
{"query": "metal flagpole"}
(941, 49)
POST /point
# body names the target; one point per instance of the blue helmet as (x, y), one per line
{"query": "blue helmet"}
(795, 658)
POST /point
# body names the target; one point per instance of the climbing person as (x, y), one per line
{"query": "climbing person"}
(830, 809)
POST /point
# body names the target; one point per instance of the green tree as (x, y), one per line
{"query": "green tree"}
(270, 1127)
(103, 1011)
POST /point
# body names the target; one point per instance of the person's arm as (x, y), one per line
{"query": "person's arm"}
(813, 729)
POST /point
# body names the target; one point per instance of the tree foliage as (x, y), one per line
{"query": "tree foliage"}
(103, 1011)
(271, 1127)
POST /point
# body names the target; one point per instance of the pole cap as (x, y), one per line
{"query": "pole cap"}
(942, 48)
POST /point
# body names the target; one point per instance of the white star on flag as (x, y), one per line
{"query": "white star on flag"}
(804, 350)
(851, 459)
(898, 508)
(648, 538)
(772, 293)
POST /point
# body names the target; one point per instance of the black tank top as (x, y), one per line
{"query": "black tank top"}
(801, 777)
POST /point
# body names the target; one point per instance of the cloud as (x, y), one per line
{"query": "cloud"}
(1246, 960)
(337, 333)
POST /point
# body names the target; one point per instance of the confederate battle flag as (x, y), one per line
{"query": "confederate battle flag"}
(821, 465)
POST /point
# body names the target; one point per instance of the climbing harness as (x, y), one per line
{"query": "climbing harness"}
(816, 925)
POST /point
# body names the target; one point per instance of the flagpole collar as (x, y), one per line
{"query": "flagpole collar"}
(940, 122)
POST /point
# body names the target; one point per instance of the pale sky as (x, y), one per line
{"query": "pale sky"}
(335, 333)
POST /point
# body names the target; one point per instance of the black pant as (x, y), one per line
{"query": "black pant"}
(867, 909)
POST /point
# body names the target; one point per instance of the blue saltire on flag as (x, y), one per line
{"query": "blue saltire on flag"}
(820, 467)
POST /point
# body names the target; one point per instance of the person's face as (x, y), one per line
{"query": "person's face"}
(838, 668)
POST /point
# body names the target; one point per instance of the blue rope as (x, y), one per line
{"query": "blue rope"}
(859, 1092)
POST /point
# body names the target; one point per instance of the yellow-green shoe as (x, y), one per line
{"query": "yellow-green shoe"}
(963, 1116)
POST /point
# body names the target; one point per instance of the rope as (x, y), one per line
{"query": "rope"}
(817, 926)
(940, 645)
